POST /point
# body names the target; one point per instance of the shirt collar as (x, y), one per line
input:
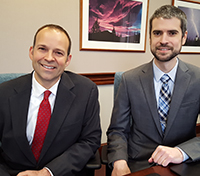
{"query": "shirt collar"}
(38, 90)
(158, 73)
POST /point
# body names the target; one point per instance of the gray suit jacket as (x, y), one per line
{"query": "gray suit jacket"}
(135, 131)
(73, 134)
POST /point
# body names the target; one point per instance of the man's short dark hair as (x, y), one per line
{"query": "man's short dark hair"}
(168, 12)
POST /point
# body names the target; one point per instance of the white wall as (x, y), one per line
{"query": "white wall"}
(19, 20)
(106, 103)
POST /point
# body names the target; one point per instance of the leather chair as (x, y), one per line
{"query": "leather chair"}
(94, 163)
(8, 76)
(104, 159)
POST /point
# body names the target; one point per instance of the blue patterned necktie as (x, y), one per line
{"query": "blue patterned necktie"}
(164, 101)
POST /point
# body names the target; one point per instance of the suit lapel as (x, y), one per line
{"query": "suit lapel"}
(63, 102)
(179, 91)
(177, 97)
(148, 87)
(19, 104)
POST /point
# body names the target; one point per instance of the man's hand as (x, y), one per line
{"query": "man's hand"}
(42, 172)
(164, 155)
(120, 168)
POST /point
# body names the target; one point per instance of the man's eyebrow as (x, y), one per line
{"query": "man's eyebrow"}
(41, 45)
(173, 30)
(156, 30)
(58, 49)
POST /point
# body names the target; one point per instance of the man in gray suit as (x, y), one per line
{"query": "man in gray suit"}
(142, 132)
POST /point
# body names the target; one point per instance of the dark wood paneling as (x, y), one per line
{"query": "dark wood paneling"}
(100, 78)
(198, 129)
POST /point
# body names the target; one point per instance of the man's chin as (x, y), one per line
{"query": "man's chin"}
(164, 58)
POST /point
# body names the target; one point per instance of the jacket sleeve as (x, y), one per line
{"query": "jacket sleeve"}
(120, 126)
(192, 148)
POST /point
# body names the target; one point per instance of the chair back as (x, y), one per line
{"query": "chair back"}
(117, 80)
(8, 76)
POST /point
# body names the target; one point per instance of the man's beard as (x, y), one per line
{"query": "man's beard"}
(170, 57)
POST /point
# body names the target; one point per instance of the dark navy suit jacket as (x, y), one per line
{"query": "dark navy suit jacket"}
(74, 132)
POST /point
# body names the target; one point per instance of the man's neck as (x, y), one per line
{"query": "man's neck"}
(166, 66)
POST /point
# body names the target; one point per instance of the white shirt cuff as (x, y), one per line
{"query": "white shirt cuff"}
(49, 171)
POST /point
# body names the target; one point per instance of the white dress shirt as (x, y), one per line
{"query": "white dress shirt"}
(37, 94)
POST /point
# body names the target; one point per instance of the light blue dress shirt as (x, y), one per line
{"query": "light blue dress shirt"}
(158, 83)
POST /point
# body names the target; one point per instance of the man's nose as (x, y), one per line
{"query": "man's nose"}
(164, 39)
(49, 56)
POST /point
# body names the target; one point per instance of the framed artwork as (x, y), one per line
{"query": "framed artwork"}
(113, 25)
(192, 11)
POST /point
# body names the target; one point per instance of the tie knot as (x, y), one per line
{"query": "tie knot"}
(46, 94)
(165, 78)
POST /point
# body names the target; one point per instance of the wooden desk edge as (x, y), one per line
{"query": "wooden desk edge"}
(162, 171)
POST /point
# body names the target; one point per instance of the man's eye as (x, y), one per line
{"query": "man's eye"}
(58, 53)
(156, 33)
(172, 33)
(42, 48)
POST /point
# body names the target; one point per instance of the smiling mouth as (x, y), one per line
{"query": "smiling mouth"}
(48, 67)
(164, 49)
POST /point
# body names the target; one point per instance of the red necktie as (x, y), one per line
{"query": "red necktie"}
(44, 115)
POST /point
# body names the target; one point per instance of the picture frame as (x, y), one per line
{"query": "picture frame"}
(114, 26)
(192, 11)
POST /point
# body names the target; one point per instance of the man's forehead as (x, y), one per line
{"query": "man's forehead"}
(45, 32)
(167, 20)
(47, 29)
(165, 23)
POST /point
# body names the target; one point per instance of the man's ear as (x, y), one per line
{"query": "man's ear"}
(184, 38)
(31, 52)
(68, 60)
